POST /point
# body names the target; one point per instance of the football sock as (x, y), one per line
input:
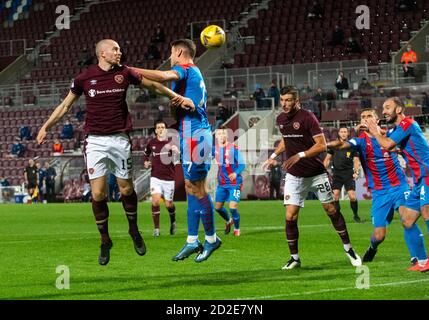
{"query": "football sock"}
(223, 213)
(339, 224)
(236, 218)
(415, 242)
(155, 216)
(172, 213)
(354, 206)
(295, 256)
(193, 216)
(191, 239)
(292, 235)
(374, 242)
(101, 214)
(337, 205)
(207, 216)
(129, 203)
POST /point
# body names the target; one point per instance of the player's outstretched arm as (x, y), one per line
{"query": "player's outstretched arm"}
(271, 160)
(157, 75)
(382, 139)
(162, 90)
(56, 116)
(338, 145)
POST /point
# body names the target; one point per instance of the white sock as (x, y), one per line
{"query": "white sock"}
(347, 246)
(295, 256)
(191, 239)
(422, 262)
(211, 239)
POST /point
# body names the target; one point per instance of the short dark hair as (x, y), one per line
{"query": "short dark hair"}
(370, 109)
(398, 102)
(159, 122)
(186, 44)
(343, 127)
(290, 90)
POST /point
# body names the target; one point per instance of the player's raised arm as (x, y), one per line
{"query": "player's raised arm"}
(157, 75)
(162, 90)
(382, 139)
(56, 116)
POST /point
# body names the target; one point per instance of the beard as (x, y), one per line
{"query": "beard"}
(391, 119)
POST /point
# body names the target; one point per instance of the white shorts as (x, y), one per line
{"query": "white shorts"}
(162, 187)
(297, 188)
(112, 153)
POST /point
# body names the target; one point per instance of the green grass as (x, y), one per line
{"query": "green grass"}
(35, 239)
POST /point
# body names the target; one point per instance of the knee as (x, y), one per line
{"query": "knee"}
(407, 223)
(98, 195)
(380, 236)
(155, 202)
(329, 208)
(126, 191)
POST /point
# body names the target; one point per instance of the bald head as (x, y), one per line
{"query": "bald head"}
(104, 45)
(108, 53)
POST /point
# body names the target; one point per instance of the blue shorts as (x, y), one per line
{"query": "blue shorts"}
(385, 202)
(228, 194)
(196, 154)
(419, 195)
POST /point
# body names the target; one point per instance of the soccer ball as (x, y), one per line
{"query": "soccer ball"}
(212, 37)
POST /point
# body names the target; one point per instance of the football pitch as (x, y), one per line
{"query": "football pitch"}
(36, 239)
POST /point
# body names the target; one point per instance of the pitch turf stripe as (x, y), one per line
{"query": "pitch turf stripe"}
(306, 293)
(266, 228)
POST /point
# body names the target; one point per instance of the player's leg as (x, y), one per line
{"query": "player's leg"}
(234, 199)
(101, 214)
(171, 208)
(321, 186)
(350, 186)
(130, 204)
(337, 185)
(425, 215)
(156, 200)
(120, 160)
(220, 197)
(413, 236)
(96, 162)
(337, 194)
(192, 244)
(377, 238)
(168, 192)
(198, 190)
(292, 235)
(295, 192)
(382, 211)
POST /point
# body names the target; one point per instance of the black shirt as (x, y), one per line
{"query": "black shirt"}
(31, 174)
(50, 175)
(343, 160)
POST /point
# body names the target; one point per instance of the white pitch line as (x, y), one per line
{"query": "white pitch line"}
(305, 293)
(266, 228)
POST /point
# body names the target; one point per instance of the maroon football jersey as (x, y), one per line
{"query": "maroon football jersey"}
(105, 94)
(298, 131)
(162, 159)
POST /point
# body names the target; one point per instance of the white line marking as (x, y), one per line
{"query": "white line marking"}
(65, 238)
(305, 293)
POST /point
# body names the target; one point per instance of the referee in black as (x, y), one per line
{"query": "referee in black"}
(345, 170)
